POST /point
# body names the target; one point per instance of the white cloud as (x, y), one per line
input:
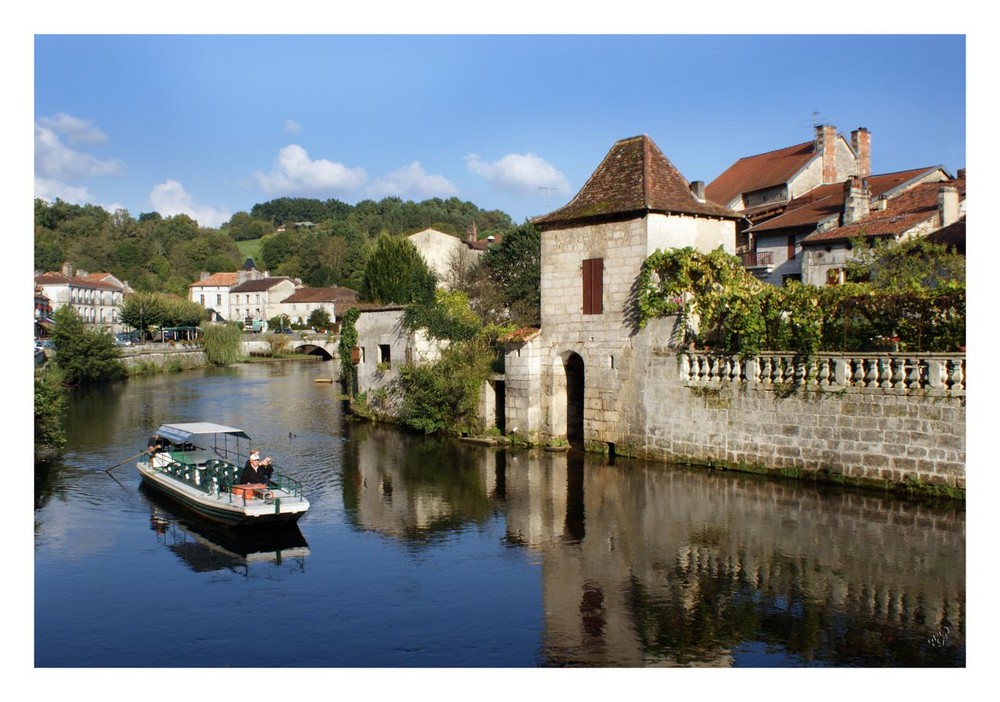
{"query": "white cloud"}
(169, 198)
(519, 173)
(52, 190)
(295, 171)
(76, 130)
(292, 127)
(414, 182)
(53, 159)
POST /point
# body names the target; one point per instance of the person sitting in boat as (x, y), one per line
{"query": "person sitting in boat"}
(154, 445)
(257, 470)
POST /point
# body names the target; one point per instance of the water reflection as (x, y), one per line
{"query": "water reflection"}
(480, 556)
(651, 565)
(204, 547)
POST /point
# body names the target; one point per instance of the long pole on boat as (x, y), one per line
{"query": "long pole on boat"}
(130, 458)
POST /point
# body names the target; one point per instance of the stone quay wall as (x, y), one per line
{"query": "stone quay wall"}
(878, 417)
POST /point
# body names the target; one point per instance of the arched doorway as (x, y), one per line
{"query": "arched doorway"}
(573, 365)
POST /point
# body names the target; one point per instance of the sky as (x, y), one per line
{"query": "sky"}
(209, 125)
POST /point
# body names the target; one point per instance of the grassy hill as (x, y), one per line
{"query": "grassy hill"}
(250, 249)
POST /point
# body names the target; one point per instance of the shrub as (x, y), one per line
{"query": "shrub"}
(222, 343)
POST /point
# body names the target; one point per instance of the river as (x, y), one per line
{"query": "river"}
(420, 552)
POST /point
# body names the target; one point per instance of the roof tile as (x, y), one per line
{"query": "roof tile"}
(634, 177)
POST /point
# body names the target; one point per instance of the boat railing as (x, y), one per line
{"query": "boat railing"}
(218, 476)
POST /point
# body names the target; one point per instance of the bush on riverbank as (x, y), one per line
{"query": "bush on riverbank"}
(222, 343)
(50, 402)
(82, 354)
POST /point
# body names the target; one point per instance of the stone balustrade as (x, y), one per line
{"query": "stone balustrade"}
(871, 372)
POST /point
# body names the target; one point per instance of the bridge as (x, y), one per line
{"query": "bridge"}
(310, 344)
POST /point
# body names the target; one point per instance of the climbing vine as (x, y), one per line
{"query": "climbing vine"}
(721, 306)
(348, 340)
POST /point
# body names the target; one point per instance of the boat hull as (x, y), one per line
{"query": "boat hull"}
(223, 508)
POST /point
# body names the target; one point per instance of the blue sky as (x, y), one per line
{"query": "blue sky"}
(211, 124)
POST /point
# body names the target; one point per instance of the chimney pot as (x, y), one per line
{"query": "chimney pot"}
(698, 189)
(861, 141)
(948, 207)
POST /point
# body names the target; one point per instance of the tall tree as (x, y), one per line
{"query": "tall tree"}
(515, 265)
(84, 355)
(396, 273)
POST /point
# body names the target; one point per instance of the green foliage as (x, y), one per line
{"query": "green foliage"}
(278, 344)
(909, 264)
(723, 306)
(319, 318)
(348, 340)
(144, 310)
(450, 317)
(515, 268)
(49, 405)
(222, 343)
(396, 273)
(84, 355)
(444, 397)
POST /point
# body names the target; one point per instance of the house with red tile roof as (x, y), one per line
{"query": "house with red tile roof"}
(97, 297)
(761, 186)
(778, 240)
(303, 302)
(934, 207)
(446, 255)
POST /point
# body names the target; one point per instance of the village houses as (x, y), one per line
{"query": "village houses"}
(802, 205)
(97, 297)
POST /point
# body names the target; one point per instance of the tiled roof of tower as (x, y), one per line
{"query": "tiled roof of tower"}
(761, 171)
(635, 177)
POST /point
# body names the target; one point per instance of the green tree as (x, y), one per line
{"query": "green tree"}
(396, 273)
(319, 318)
(911, 263)
(49, 405)
(222, 343)
(84, 355)
(515, 267)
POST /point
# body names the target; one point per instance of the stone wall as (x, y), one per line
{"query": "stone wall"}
(892, 419)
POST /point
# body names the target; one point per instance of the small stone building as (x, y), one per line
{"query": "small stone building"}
(575, 378)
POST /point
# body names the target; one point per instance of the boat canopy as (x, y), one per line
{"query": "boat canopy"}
(182, 433)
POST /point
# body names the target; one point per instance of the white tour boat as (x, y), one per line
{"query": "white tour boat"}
(199, 466)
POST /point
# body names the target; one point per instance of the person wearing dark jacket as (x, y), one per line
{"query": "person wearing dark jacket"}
(256, 470)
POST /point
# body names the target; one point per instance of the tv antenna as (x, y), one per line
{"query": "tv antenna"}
(548, 191)
(817, 119)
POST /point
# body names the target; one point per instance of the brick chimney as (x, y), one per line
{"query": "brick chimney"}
(826, 146)
(948, 208)
(67, 269)
(861, 140)
(698, 190)
(857, 200)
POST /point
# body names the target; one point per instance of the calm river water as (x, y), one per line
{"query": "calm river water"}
(419, 552)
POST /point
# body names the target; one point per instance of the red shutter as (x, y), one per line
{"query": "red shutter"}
(593, 286)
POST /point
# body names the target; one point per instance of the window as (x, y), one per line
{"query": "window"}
(791, 247)
(202, 300)
(384, 356)
(593, 286)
